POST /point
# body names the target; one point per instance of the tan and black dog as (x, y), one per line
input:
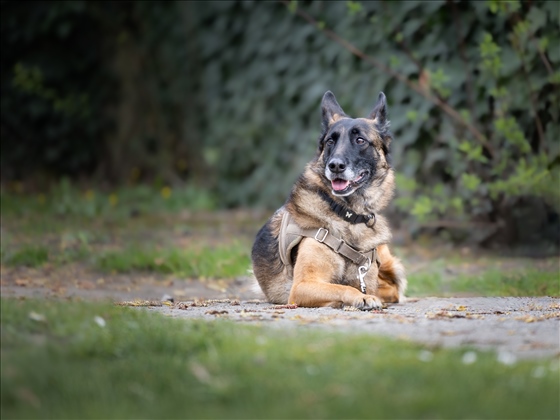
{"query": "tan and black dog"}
(327, 246)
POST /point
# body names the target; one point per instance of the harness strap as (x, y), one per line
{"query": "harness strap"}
(338, 245)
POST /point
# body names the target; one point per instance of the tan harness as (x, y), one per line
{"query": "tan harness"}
(291, 235)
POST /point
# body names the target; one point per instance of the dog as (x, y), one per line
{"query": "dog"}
(327, 245)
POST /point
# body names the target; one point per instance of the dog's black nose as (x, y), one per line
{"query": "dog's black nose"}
(337, 165)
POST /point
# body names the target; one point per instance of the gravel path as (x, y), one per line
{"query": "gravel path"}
(514, 327)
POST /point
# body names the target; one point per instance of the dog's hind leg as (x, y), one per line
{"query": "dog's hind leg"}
(391, 277)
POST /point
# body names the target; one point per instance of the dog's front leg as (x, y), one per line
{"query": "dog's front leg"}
(315, 269)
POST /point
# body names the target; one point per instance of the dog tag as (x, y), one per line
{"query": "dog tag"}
(362, 271)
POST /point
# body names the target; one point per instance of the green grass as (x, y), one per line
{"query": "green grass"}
(84, 360)
(424, 284)
(68, 200)
(529, 282)
(68, 224)
(37, 255)
(30, 256)
(520, 283)
(225, 261)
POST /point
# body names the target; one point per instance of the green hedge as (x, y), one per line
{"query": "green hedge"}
(227, 94)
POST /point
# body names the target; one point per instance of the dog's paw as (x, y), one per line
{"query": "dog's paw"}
(367, 303)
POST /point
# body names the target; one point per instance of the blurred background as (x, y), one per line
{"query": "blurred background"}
(215, 104)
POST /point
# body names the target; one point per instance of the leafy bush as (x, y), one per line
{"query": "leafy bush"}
(473, 95)
(31, 256)
(226, 95)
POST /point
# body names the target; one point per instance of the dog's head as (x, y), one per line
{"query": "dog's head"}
(353, 152)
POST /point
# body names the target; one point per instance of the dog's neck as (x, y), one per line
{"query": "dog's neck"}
(346, 213)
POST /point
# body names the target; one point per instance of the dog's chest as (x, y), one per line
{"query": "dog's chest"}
(359, 237)
(350, 276)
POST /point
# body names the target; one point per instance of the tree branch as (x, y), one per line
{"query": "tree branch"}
(444, 106)
(515, 18)
(460, 41)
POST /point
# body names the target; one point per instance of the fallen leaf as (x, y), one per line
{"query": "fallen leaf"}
(216, 312)
(443, 315)
(506, 358)
(200, 372)
(99, 321)
(34, 316)
(29, 397)
(474, 316)
(290, 306)
(86, 285)
(469, 358)
(138, 302)
(425, 356)
(250, 315)
(22, 282)
(529, 318)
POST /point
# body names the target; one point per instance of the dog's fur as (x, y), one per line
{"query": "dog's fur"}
(353, 166)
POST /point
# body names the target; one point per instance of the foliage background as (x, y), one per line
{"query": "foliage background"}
(220, 99)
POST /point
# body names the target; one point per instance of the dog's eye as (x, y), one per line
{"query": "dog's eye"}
(329, 142)
(360, 141)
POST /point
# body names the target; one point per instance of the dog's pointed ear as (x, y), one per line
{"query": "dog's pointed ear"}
(379, 113)
(331, 110)
(379, 117)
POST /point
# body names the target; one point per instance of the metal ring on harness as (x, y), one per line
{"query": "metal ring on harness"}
(324, 236)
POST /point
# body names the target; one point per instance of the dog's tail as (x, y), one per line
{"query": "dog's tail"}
(253, 286)
(392, 276)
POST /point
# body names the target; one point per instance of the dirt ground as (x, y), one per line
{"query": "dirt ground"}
(515, 328)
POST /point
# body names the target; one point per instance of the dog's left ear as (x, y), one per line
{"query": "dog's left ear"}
(379, 113)
(379, 117)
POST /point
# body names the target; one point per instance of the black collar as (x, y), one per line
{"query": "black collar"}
(345, 213)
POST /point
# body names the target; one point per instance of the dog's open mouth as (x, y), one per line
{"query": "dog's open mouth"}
(344, 185)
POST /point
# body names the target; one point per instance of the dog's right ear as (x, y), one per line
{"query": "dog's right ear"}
(331, 110)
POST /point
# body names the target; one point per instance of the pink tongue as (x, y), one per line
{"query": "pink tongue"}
(339, 184)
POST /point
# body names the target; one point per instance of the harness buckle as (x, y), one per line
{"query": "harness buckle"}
(324, 235)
